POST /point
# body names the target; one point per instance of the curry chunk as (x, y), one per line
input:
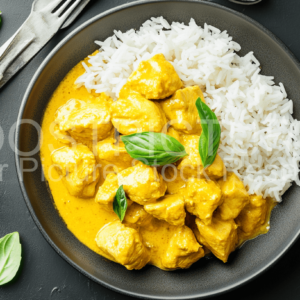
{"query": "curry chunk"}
(183, 250)
(154, 78)
(107, 192)
(136, 214)
(82, 121)
(173, 179)
(142, 183)
(77, 166)
(174, 133)
(202, 197)
(235, 197)
(253, 216)
(216, 170)
(137, 114)
(123, 245)
(181, 110)
(170, 209)
(220, 237)
(113, 154)
(191, 165)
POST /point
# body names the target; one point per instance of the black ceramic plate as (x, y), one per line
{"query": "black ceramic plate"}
(207, 277)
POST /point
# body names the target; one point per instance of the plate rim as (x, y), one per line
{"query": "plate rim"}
(37, 73)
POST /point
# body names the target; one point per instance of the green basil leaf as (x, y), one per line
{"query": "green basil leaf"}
(120, 203)
(153, 149)
(211, 134)
(0, 19)
(10, 257)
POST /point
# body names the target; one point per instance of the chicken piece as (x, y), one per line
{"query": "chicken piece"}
(137, 114)
(83, 122)
(142, 183)
(181, 110)
(113, 155)
(183, 250)
(123, 245)
(154, 78)
(202, 197)
(216, 170)
(175, 183)
(107, 192)
(77, 166)
(136, 214)
(234, 195)
(124, 92)
(253, 216)
(174, 133)
(220, 237)
(170, 208)
(191, 165)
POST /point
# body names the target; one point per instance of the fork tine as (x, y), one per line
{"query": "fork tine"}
(75, 13)
(70, 10)
(53, 4)
(61, 9)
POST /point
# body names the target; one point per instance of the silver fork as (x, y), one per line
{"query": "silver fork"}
(43, 22)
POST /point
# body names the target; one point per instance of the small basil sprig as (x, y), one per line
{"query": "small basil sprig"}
(10, 257)
(0, 19)
(120, 203)
(211, 133)
(153, 149)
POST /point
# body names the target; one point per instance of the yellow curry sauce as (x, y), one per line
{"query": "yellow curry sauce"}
(84, 217)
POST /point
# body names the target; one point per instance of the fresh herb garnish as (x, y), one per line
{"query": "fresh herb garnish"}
(0, 19)
(153, 149)
(120, 203)
(10, 257)
(211, 133)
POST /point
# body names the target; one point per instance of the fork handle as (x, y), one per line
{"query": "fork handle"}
(32, 36)
(21, 40)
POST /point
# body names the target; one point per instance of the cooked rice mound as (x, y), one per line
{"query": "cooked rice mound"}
(260, 139)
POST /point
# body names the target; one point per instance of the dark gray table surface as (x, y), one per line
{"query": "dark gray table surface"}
(43, 273)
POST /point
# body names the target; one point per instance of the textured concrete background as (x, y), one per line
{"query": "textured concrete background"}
(44, 274)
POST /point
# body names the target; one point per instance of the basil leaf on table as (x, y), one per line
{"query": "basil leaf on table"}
(211, 133)
(0, 19)
(10, 257)
(120, 203)
(153, 149)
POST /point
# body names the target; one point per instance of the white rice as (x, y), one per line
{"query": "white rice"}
(260, 139)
